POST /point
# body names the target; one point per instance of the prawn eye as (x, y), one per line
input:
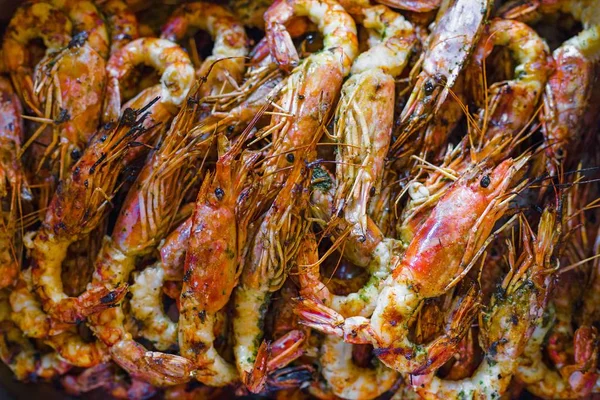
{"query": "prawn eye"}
(76, 154)
(428, 87)
(219, 193)
(485, 181)
(290, 157)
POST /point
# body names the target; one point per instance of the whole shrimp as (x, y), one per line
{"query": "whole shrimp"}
(213, 260)
(343, 376)
(13, 183)
(561, 374)
(77, 207)
(32, 21)
(567, 95)
(70, 86)
(170, 60)
(506, 327)
(310, 91)
(508, 106)
(362, 300)
(432, 264)
(68, 101)
(224, 69)
(271, 251)
(448, 50)
(364, 132)
(145, 218)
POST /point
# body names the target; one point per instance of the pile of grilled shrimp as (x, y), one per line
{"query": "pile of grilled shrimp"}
(333, 199)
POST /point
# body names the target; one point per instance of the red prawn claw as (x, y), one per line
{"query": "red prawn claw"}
(73, 310)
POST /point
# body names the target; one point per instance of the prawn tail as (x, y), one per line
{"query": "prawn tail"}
(315, 315)
(256, 379)
(158, 369)
(95, 300)
(286, 349)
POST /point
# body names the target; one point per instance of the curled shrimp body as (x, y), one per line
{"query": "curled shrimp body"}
(271, 252)
(338, 28)
(19, 354)
(310, 91)
(69, 86)
(174, 65)
(250, 12)
(567, 95)
(144, 220)
(224, 69)
(346, 379)
(445, 246)
(511, 104)
(32, 21)
(449, 47)
(147, 308)
(509, 322)
(122, 23)
(28, 315)
(85, 17)
(364, 132)
(212, 264)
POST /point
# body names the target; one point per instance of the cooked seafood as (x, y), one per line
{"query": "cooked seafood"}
(334, 199)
